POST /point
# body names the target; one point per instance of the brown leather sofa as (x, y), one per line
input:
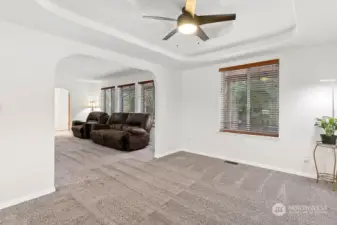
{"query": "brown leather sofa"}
(124, 131)
(82, 129)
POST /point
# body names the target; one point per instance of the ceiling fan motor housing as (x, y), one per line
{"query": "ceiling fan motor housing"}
(186, 18)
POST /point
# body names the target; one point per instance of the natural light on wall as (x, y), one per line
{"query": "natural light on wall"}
(332, 82)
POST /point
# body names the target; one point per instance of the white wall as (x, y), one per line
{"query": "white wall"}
(80, 95)
(26, 115)
(302, 98)
(61, 109)
(168, 112)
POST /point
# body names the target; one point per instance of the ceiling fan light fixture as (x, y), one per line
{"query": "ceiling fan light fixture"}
(190, 23)
(187, 28)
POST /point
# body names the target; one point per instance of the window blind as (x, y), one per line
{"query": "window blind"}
(147, 98)
(102, 100)
(250, 99)
(108, 99)
(127, 98)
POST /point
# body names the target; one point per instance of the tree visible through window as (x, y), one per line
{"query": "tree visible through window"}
(127, 98)
(108, 99)
(250, 98)
(148, 98)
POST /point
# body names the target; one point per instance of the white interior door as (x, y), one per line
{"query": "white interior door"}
(61, 109)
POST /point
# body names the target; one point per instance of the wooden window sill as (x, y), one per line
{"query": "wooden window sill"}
(249, 133)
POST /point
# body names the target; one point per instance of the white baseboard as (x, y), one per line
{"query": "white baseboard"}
(269, 167)
(26, 198)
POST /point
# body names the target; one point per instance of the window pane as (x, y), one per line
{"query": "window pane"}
(264, 92)
(128, 99)
(148, 99)
(102, 102)
(112, 102)
(237, 103)
(108, 101)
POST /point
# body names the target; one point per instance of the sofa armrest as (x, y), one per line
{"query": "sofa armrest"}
(136, 131)
(77, 122)
(99, 126)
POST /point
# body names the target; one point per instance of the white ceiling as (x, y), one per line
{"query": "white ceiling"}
(86, 68)
(126, 16)
(117, 25)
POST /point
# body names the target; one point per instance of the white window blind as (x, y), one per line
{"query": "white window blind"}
(147, 98)
(250, 99)
(102, 100)
(127, 98)
(108, 99)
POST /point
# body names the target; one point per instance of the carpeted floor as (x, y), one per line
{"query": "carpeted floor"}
(97, 185)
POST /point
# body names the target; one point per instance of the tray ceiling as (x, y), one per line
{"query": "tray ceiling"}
(255, 19)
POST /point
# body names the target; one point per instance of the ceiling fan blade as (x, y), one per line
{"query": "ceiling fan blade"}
(190, 6)
(202, 35)
(169, 35)
(159, 18)
(215, 18)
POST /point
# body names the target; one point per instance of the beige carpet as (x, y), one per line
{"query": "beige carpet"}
(98, 185)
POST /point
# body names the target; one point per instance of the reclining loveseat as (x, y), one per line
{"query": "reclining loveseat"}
(123, 131)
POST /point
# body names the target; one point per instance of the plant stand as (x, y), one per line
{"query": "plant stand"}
(330, 177)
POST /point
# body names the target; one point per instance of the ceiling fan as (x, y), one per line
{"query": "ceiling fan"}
(189, 23)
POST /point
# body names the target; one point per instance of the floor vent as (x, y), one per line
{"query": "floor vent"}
(231, 162)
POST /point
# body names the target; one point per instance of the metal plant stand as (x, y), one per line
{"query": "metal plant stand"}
(327, 176)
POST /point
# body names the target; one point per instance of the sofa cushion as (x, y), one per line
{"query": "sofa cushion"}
(100, 117)
(117, 118)
(141, 120)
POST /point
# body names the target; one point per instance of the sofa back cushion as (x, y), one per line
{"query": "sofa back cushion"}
(117, 120)
(99, 117)
(141, 120)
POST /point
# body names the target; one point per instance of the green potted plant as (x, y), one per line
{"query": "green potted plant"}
(329, 125)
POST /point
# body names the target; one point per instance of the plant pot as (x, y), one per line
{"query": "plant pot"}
(330, 140)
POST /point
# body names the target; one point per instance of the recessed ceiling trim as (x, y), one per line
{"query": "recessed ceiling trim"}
(64, 13)
(207, 57)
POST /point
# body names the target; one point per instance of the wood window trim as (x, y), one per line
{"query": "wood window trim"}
(249, 133)
(146, 82)
(106, 88)
(249, 65)
(126, 85)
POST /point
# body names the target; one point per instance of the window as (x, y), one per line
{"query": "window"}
(250, 99)
(108, 99)
(127, 98)
(147, 98)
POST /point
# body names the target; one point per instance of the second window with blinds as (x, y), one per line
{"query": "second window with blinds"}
(250, 99)
(127, 98)
(147, 98)
(108, 99)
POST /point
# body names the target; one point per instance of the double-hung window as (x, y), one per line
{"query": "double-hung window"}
(250, 99)
(127, 98)
(147, 98)
(108, 99)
